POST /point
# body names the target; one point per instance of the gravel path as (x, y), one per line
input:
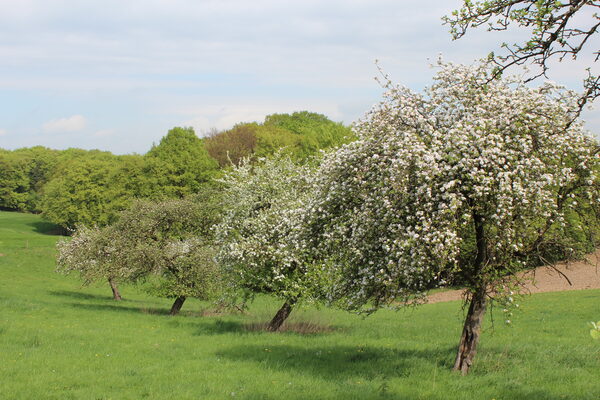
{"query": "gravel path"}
(581, 274)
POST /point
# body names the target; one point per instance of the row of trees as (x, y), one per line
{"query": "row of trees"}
(24, 172)
(92, 190)
(91, 187)
(470, 182)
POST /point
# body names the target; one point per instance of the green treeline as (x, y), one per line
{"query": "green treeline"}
(301, 134)
(74, 186)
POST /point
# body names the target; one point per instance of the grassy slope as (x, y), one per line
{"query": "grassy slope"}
(61, 341)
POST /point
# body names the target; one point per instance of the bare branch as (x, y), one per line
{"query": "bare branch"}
(554, 33)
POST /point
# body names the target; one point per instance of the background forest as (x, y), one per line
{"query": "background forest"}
(74, 186)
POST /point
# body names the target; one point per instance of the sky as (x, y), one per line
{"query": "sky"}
(117, 75)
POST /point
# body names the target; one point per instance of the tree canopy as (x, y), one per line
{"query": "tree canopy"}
(170, 240)
(79, 194)
(91, 252)
(467, 178)
(14, 182)
(23, 175)
(179, 164)
(262, 211)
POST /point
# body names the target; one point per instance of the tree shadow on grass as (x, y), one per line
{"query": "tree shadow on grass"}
(75, 295)
(120, 308)
(340, 362)
(344, 363)
(48, 228)
(80, 295)
(100, 302)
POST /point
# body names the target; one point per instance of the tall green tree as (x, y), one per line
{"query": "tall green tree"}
(14, 182)
(179, 164)
(79, 194)
(309, 132)
(24, 173)
(42, 163)
(92, 191)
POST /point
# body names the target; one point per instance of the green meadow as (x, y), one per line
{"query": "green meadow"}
(59, 340)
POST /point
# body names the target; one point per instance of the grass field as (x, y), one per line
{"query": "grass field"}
(61, 341)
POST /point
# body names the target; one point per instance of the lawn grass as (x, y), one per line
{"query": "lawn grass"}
(59, 340)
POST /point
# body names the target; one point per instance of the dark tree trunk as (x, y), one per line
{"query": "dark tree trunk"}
(281, 315)
(115, 289)
(467, 348)
(177, 304)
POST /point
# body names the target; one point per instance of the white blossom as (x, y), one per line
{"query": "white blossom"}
(391, 211)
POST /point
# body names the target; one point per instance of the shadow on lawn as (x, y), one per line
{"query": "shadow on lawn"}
(120, 308)
(340, 362)
(79, 295)
(98, 302)
(48, 228)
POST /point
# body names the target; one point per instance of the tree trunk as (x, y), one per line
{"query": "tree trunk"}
(281, 315)
(115, 289)
(177, 304)
(467, 348)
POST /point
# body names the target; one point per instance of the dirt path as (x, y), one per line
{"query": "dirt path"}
(581, 274)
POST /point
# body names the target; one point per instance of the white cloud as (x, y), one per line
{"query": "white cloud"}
(212, 64)
(69, 124)
(3, 132)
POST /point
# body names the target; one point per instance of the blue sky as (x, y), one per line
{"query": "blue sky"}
(117, 75)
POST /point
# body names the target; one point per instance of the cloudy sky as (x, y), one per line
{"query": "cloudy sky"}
(117, 75)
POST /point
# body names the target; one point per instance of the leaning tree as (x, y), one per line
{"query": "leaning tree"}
(466, 179)
(169, 240)
(90, 252)
(263, 207)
